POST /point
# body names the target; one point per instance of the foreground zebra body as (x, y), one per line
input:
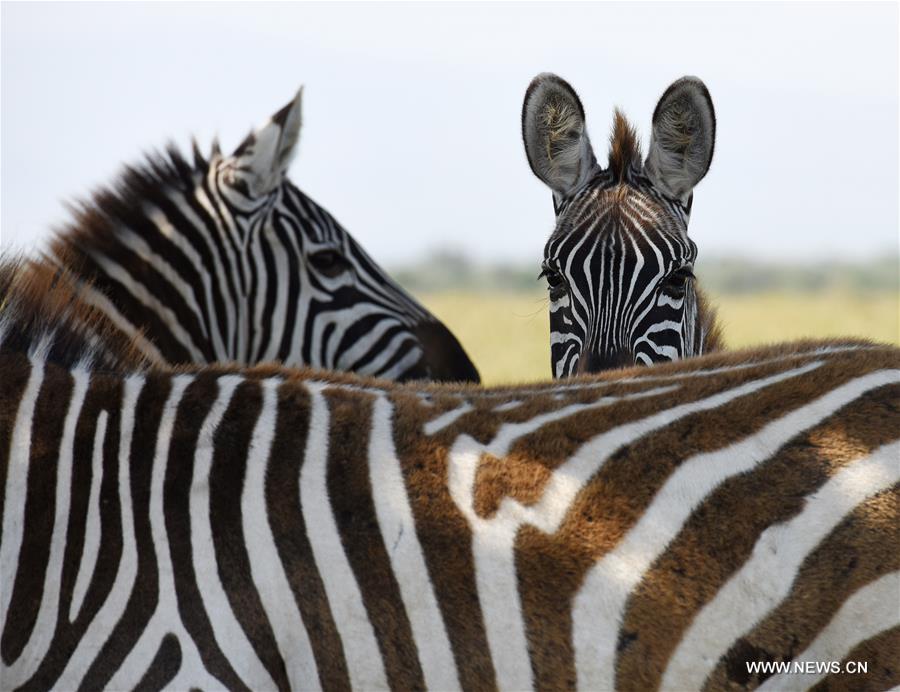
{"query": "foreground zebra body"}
(619, 264)
(270, 528)
(225, 260)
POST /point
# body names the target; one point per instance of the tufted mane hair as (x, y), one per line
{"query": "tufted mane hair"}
(96, 219)
(624, 147)
(41, 309)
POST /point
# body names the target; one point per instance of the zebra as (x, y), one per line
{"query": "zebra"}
(619, 264)
(224, 259)
(40, 307)
(729, 521)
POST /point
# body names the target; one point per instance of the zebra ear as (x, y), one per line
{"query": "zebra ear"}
(683, 139)
(263, 157)
(556, 140)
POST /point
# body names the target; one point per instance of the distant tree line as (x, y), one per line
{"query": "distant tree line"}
(449, 270)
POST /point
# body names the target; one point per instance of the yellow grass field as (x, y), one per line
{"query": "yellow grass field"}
(507, 334)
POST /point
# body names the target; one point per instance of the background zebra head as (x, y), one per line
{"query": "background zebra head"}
(619, 262)
(224, 259)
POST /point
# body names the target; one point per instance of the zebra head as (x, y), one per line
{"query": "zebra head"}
(224, 259)
(619, 264)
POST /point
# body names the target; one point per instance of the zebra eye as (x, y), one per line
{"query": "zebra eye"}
(676, 283)
(556, 284)
(328, 262)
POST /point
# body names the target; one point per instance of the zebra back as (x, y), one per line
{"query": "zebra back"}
(264, 528)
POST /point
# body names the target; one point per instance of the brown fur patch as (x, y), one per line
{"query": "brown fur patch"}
(624, 147)
(708, 321)
(724, 529)
(37, 299)
(882, 656)
(853, 555)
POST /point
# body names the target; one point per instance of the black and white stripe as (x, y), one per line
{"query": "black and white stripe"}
(260, 530)
(225, 260)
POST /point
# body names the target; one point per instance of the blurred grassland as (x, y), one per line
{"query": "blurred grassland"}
(507, 333)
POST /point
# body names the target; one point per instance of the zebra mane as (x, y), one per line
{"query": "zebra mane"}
(43, 315)
(624, 147)
(96, 219)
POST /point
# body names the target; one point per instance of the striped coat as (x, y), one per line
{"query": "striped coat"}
(268, 528)
(223, 259)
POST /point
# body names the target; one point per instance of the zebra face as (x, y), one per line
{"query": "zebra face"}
(619, 264)
(620, 281)
(315, 297)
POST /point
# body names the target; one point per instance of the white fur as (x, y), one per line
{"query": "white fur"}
(227, 631)
(673, 171)
(398, 531)
(104, 621)
(413, 356)
(364, 662)
(266, 568)
(90, 549)
(14, 493)
(166, 618)
(600, 603)
(41, 636)
(272, 150)
(766, 578)
(572, 165)
(872, 609)
(446, 419)
(493, 539)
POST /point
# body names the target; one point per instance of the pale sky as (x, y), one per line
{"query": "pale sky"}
(411, 133)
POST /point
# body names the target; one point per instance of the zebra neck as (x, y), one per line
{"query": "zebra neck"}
(167, 274)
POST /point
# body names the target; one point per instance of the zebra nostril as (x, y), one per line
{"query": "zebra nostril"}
(444, 356)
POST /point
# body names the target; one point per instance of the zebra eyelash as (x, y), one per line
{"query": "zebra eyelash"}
(546, 270)
(555, 279)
